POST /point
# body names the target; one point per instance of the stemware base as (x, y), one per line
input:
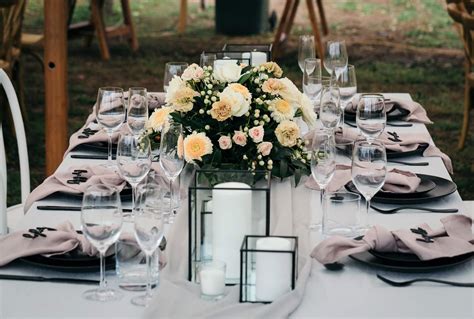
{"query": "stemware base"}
(141, 301)
(102, 295)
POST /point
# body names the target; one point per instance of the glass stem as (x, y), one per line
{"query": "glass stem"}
(102, 284)
(171, 196)
(321, 194)
(367, 205)
(148, 274)
(109, 148)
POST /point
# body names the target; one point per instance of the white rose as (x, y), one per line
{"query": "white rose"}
(239, 138)
(238, 97)
(306, 108)
(225, 142)
(256, 133)
(193, 72)
(226, 71)
(265, 148)
(290, 92)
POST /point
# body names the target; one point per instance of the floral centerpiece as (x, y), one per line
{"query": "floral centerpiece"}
(238, 117)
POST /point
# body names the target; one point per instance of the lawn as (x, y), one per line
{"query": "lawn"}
(393, 49)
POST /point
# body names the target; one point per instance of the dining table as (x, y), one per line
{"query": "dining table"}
(351, 292)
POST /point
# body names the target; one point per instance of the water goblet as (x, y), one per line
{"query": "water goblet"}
(110, 114)
(371, 117)
(369, 169)
(330, 112)
(323, 163)
(335, 57)
(101, 219)
(137, 114)
(306, 49)
(173, 69)
(312, 88)
(347, 84)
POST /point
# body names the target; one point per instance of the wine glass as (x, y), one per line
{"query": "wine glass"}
(335, 57)
(323, 163)
(207, 59)
(312, 88)
(369, 169)
(172, 157)
(173, 69)
(149, 231)
(306, 49)
(347, 83)
(330, 112)
(101, 219)
(312, 67)
(371, 117)
(137, 109)
(110, 114)
(133, 161)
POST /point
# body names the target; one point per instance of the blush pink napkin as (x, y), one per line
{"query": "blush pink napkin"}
(409, 142)
(58, 182)
(459, 241)
(417, 112)
(397, 181)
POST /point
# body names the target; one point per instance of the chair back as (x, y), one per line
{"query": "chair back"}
(11, 20)
(22, 149)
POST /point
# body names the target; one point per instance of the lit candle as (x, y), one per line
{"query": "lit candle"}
(212, 275)
(257, 57)
(231, 221)
(273, 270)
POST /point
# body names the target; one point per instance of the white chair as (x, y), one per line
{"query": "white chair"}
(11, 215)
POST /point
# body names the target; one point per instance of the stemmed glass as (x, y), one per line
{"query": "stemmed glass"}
(101, 219)
(369, 169)
(110, 114)
(149, 231)
(371, 117)
(137, 109)
(323, 162)
(133, 161)
(306, 49)
(347, 83)
(207, 59)
(173, 69)
(335, 57)
(312, 79)
(172, 156)
(330, 112)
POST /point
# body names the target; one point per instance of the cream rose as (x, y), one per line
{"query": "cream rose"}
(281, 110)
(256, 133)
(290, 93)
(183, 99)
(226, 71)
(196, 146)
(307, 110)
(273, 68)
(287, 133)
(273, 86)
(193, 72)
(239, 138)
(265, 148)
(221, 110)
(239, 98)
(158, 118)
(174, 86)
(225, 142)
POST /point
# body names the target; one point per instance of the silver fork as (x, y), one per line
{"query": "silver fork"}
(409, 282)
(426, 209)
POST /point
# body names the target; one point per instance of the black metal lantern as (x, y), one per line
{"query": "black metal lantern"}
(268, 267)
(254, 51)
(224, 206)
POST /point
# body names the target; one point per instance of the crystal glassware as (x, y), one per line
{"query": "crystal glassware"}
(371, 117)
(207, 59)
(312, 88)
(312, 67)
(306, 49)
(133, 161)
(347, 84)
(172, 157)
(369, 169)
(173, 69)
(110, 114)
(137, 114)
(101, 219)
(330, 111)
(323, 162)
(149, 231)
(212, 279)
(341, 210)
(335, 57)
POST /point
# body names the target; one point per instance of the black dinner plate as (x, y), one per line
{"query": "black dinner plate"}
(417, 152)
(443, 188)
(101, 147)
(125, 194)
(426, 185)
(70, 262)
(395, 114)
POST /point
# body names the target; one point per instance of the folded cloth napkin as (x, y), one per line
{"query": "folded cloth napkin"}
(98, 135)
(58, 182)
(458, 240)
(416, 112)
(396, 181)
(401, 142)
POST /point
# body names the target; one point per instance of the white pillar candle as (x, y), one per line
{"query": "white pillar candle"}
(220, 63)
(212, 281)
(257, 57)
(231, 221)
(273, 270)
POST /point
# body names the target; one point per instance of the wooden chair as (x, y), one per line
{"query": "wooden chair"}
(103, 32)
(11, 215)
(464, 22)
(287, 20)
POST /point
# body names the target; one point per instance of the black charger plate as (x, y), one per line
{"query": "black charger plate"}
(70, 262)
(417, 152)
(100, 147)
(425, 186)
(443, 188)
(395, 114)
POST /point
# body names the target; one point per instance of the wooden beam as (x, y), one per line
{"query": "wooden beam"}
(55, 82)
(183, 16)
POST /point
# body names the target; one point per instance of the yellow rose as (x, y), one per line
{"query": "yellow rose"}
(196, 146)
(158, 118)
(274, 68)
(287, 133)
(221, 110)
(273, 86)
(281, 110)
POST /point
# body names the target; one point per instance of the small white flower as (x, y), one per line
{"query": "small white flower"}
(209, 86)
(257, 81)
(256, 122)
(270, 162)
(247, 114)
(261, 163)
(201, 111)
(245, 157)
(209, 92)
(259, 157)
(203, 93)
(208, 112)
(207, 127)
(213, 99)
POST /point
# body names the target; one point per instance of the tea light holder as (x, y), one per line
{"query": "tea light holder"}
(212, 279)
(268, 267)
(224, 206)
